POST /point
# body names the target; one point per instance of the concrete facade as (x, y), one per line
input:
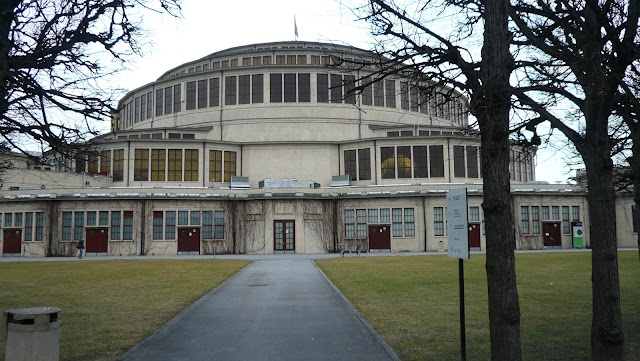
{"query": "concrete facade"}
(237, 152)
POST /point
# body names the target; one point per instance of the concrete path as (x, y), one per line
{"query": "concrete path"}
(279, 309)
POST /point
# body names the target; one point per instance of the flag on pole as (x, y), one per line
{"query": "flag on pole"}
(295, 26)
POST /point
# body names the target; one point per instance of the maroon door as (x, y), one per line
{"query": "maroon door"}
(188, 239)
(12, 241)
(97, 240)
(474, 235)
(380, 237)
(552, 235)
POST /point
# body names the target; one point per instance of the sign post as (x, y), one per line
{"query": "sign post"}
(458, 239)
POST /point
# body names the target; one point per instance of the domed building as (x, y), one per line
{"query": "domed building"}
(278, 147)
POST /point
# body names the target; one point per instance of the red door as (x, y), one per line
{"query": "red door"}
(12, 241)
(474, 235)
(551, 234)
(189, 240)
(380, 237)
(97, 240)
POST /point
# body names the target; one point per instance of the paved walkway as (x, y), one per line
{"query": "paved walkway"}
(278, 309)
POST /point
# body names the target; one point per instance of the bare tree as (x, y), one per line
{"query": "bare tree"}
(54, 56)
(411, 42)
(578, 53)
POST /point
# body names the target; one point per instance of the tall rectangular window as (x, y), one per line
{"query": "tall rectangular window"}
(202, 94)
(149, 104)
(118, 165)
(67, 224)
(168, 100)
(545, 213)
(170, 221)
(175, 165)
(524, 219)
(436, 161)
(385, 215)
(191, 165)
(230, 90)
(92, 167)
(409, 223)
(349, 223)
(244, 89)
(207, 224)
(214, 92)
(350, 164)
(336, 88)
(361, 223)
(229, 165)
(575, 210)
(157, 224)
(472, 162)
(141, 167)
(373, 216)
(115, 225)
(390, 92)
(349, 89)
(177, 98)
(183, 218)
(143, 107)
(215, 166)
(127, 226)
(404, 95)
(105, 162)
(18, 220)
(458, 161)
(290, 89)
(404, 162)
(364, 164)
(304, 87)
(39, 226)
(396, 225)
(191, 95)
(555, 212)
(367, 92)
(378, 93)
(566, 225)
(420, 162)
(438, 221)
(257, 88)
(159, 102)
(474, 214)
(158, 164)
(103, 218)
(322, 88)
(28, 226)
(535, 220)
(91, 218)
(388, 165)
(275, 88)
(219, 225)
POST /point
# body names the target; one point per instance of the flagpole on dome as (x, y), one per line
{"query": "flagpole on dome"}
(295, 26)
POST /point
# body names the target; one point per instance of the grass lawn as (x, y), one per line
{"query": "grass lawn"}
(413, 303)
(109, 306)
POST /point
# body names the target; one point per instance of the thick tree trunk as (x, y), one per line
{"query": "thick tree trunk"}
(491, 105)
(607, 339)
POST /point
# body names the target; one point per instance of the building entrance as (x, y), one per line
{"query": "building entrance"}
(379, 237)
(284, 236)
(97, 240)
(12, 242)
(551, 234)
(188, 240)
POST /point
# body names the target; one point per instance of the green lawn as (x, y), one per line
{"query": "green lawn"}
(413, 303)
(109, 306)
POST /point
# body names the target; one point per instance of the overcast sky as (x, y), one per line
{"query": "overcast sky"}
(208, 26)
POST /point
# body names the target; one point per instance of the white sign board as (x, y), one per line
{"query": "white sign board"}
(457, 223)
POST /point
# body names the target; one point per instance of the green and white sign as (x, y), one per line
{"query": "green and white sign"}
(578, 235)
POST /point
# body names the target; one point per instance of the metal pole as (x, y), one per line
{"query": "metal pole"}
(463, 341)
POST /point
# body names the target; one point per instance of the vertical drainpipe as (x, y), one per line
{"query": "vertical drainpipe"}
(143, 225)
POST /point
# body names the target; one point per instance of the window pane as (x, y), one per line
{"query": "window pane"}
(202, 94)
(336, 88)
(214, 92)
(373, 216)
(191, 164)
(127, 229)
(404, 162)
(229, 165)
(257, 88)
(304, 87)
(364, 164)
(191, 95)
(322, 88)
(390, 90)
(158, 164)
(175, 165)
(170, 220)
(436, 161)
(388, 165)
(350, 164)
(183, 218)
(219, 225)
(438, 221)
(195, 218)
(244, 89)
(472, 162)
(157, 224)
(115, 225)
(141, 165)
(458, 161)
(275, 93)
(230, 90)
(290, 90)
(385, 215)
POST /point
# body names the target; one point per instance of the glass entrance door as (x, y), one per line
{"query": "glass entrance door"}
(284, 236)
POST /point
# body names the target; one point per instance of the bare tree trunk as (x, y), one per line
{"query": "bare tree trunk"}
(607, 338)
(491, 106)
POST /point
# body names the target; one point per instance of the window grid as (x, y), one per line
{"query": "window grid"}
(438, 221)
(566, 225)
(28, 226)
(524, 219)
(207, 224)
(157, 224)
(67, 226)
(115, 225)
(535, 220)
(396, 225)
(127, 228)
(170, 229)
(219, 225)
(39, 226)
